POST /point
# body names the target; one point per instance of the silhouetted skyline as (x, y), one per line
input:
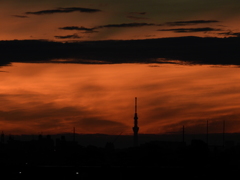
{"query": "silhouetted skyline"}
(63, 158)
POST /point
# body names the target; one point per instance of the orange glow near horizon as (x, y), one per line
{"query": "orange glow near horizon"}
(54, 98)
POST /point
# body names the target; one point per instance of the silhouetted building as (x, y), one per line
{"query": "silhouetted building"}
(135, 128)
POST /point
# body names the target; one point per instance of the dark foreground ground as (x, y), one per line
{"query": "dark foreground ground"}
(116, 173)
(45, 158)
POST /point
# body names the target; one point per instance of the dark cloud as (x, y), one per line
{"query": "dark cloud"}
(193, 22)
(236, 34)
(230, 33)
(190, 30)
(74, 36)
(64, 10)
(91, 30)
(87, 30)
(126, 25)
(187, 50)
(20, 16)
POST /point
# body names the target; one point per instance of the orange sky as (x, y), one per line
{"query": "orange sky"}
(23, 20)
(54, 98)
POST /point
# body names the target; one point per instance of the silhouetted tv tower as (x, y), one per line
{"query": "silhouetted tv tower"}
(135, 128)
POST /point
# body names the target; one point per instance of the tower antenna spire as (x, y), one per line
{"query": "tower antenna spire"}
(135, 105)
(135, 128)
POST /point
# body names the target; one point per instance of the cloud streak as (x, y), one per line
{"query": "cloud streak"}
(190, 30)
(64, 10)
(81, 28)
(192, 22)
(91, 30)
(135, 24)
(230, 33)
(77, 28)
(20, 16)
(73, 36)
(126, 25)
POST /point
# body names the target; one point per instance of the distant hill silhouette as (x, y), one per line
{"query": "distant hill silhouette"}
(192, 50)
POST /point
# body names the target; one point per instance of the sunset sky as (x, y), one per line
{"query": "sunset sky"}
(113, 19)
(41, 94)
(54, 98)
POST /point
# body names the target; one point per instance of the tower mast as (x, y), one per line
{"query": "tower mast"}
(135, 128)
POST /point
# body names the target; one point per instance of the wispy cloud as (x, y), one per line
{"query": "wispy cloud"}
(64, 10)
(190, 30)
(73, 36)
(92, 30)
(76, 28)
(126, 25)
(135, 24)
(81, 28)
(230, 33)
(192, 22)
(19, 16)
